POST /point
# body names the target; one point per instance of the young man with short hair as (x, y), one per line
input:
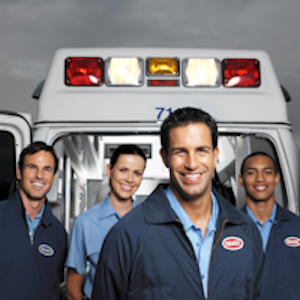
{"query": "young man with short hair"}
(279, 228)
(185, 242)
(33, 242)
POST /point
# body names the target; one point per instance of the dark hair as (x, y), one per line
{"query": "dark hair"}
(257, 153)
(34, 148)
(126, 149)
(183, 117)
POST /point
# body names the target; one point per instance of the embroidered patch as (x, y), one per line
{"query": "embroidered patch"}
(233, 243)
(292, 241)
(46, 250)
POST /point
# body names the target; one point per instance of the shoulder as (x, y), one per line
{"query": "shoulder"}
(88, 215)
(3, 209)
(283, 213)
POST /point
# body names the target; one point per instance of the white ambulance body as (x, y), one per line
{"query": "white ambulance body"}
(95, 99)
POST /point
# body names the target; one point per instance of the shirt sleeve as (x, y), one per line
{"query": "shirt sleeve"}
(77, 256)
(112, 275)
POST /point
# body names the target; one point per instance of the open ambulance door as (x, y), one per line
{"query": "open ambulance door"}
(15, 134)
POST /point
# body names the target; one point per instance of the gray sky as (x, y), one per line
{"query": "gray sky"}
(32, 30)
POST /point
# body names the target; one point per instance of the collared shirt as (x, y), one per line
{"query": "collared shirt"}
(33, 224)
(264, 229)
(202, 246)
(88, 233)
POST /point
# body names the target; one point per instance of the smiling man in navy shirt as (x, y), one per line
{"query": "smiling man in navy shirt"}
(279, 228)
(185, 241)
(33, 242)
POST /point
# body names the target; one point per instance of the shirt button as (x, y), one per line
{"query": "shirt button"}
(198, 244)
(203, 276)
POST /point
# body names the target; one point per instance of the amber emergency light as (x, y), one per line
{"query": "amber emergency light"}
(84, 71)
(162, 66)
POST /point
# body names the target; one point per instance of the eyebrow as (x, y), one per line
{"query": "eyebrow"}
(266, 168)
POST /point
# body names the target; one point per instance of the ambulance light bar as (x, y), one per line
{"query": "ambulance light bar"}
(84, 71)
(124, 71)
(162, 66)
(241, 73)
(129, 71)
(201, 72)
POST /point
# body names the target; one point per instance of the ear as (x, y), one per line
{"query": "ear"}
(241, 180)
(19, 174)
(277, 178)
(164, 157)
(108, 170)
(216, 155)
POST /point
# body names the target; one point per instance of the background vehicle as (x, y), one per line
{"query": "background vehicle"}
(96, 99)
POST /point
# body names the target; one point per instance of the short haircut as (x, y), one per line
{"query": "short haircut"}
(183, 117)
(34, 148)
(126, 149)
(258, 153)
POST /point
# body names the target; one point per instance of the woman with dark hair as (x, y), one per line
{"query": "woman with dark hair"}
(125, 172)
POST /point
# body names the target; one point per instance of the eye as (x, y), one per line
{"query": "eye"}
(138, 173)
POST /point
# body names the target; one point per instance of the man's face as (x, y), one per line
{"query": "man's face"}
(191, 160)
(37, 175)
(259, 178)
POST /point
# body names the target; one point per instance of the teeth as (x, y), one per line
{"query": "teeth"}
(260, 188)
(126, 187)
(38, 184)
(192, 175)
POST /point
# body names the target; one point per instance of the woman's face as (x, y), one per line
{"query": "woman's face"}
(125, 176)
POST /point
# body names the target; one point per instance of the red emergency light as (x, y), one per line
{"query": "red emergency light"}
(84, 71)
(163, 83)
(241, 73)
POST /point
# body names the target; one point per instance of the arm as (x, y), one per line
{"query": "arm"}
(114, 265)
(74, 282)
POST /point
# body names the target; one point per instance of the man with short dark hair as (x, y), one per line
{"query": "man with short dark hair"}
(185, 242)
(279, 228)
(33, 242)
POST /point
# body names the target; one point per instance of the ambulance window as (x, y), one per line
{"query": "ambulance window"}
(7, 163)
(233, 150)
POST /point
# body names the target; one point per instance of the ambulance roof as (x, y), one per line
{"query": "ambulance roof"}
(62, 103)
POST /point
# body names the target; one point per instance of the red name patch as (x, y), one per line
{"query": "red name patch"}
(292, 241)
(233, 243)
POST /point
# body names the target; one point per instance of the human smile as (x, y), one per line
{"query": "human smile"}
(260, 188)
(192, 177)
(126, 188)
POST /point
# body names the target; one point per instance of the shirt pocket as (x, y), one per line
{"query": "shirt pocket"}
(289, 268)
(92, 251)
(152, 293)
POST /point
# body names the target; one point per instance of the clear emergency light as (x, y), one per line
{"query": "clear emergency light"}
(241, 73)
(124, 71)
(199, 72)
(162, 66)
(84, 71)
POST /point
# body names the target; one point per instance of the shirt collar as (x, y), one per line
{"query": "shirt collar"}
(183, 216)
(38, 216)
(107, 209)
(254, 219)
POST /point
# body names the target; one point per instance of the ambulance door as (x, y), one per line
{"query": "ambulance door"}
(15, 134)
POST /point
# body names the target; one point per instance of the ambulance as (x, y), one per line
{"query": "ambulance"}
(94, 99)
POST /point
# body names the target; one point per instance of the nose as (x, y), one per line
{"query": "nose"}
(191, 161)
(260, 177)
(129, 177)
(39, 173)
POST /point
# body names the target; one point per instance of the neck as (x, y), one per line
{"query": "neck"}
(199, 210)
(262, 210)
(122, 207)
(32, 207)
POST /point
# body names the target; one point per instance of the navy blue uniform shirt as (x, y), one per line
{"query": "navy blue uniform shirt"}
(147, 255)
(30, 269)
(282, 266)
